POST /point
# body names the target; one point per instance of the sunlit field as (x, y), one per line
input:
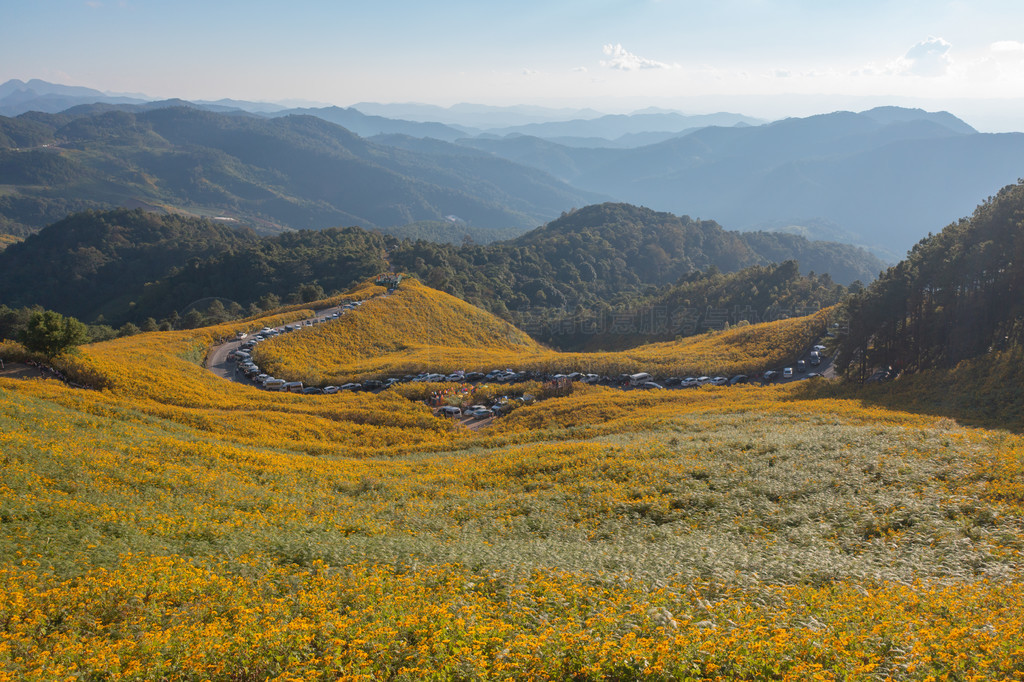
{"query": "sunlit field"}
(176, 526)
(418, 329)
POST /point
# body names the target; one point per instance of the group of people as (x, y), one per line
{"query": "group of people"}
(439, 398)
(46, 371)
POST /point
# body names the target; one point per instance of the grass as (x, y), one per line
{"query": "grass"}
(175, 526)
(418, 329)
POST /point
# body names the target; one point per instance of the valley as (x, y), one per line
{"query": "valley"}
(315, 393)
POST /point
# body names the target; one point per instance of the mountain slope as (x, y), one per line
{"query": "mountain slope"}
(886, 176)
(288, 172)
(958, 295)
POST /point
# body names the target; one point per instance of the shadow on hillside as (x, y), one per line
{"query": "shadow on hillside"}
(937, 394)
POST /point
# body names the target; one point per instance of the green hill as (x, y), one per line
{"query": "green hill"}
(958, 295)
(291, 172)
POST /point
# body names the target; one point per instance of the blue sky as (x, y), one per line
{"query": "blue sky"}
(760, 57)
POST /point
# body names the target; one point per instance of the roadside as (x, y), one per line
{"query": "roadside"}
(19, 370)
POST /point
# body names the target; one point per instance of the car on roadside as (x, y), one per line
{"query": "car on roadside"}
(719, 381)
(650, 385)
(449, 411)
(331, 390)
(787, 373)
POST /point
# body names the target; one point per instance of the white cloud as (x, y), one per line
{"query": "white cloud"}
(529, 72)
(623, 60)
(579, 69)
(929, 58)
(1007, 47)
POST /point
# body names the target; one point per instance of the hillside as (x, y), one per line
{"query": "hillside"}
(887, 175)
(129, 266)
(956, 296)
(178, 526)
(417, 329)
(611, 256)
(94, 264)
(297, 172)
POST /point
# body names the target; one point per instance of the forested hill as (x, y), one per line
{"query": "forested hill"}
(96, 262)
(131, 265)
(291, 172)
(609, 253)
(959, 294)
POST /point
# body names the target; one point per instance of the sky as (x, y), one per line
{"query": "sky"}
(766, 58)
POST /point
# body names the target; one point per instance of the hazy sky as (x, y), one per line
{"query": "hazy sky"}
(759, 57)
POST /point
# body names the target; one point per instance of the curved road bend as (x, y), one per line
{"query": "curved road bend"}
(217, 359)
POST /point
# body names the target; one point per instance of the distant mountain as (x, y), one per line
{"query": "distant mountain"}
(885, 176)
(368, 126)
(475, 117)
(615, 126)
(17, 97)
(288, 172)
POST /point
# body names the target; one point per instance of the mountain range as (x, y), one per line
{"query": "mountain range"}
(290, 172)
(882, 178)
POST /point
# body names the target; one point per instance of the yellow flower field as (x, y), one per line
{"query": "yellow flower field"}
(418, 329)
(174, 526)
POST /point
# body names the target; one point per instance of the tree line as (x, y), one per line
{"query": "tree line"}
(957, 295)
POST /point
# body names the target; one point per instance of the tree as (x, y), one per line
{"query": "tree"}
(52, 334)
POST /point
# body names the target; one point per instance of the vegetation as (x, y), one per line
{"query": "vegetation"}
(176, 526)
(292, 172)
(122, 266)
(127, 266)
(955, 297)
(52, 334)
(417, 329)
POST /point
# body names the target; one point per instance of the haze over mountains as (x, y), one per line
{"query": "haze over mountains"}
(882, 178)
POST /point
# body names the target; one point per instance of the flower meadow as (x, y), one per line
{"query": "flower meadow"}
(174, 526)
(418, 329)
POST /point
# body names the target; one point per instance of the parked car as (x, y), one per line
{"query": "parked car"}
(787, 373)
(719, 381)
(801, 366)
(481, 413)
(273, 384)
(648, 385)
(449, 411)
(739, 379)
(331, 390)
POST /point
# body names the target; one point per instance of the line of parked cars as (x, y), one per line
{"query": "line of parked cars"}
(245, 364)
(638, 380)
